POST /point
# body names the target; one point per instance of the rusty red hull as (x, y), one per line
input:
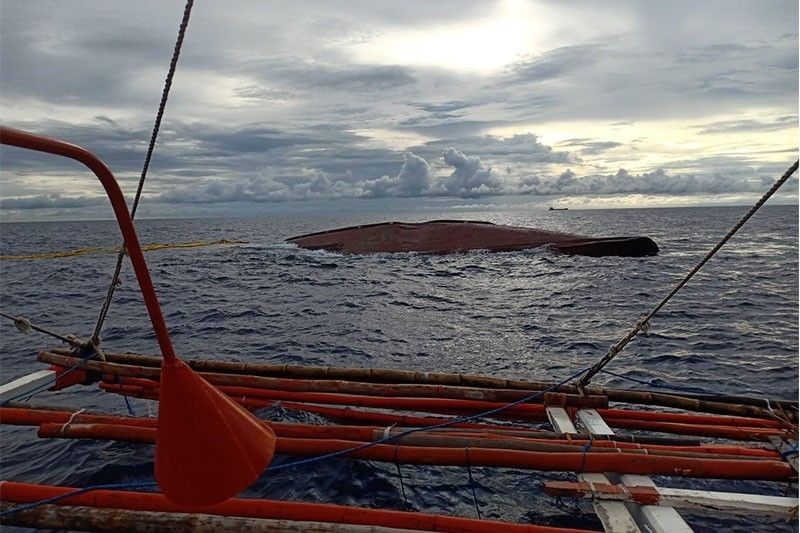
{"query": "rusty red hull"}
(453, 236)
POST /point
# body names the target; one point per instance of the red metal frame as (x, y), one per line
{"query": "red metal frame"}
(39, 143)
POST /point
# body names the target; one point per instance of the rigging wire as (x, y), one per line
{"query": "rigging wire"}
(25, 326)
(95, 340)
(643, 324)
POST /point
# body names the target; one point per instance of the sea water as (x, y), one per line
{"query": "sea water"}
(526, 315)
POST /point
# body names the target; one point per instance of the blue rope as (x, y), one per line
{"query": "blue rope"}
(692, 390)
(411, 431)
(584, 450)
(792, 450)
(472, 486)
(77, 492)
(125, 396)
(402, 485)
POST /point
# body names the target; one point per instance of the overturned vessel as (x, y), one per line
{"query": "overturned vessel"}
(452, 236)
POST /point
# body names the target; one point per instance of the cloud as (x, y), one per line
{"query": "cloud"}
(554, 63)
(469, 178)
(413, 180)
(658, 182)
(287, 109)
(748, 125)
(589, 146)
(50, 201)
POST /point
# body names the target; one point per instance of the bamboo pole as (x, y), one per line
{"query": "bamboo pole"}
(22, 413)
(385, 375)
(455, 392)
(699, 425)
(77, 518)
(578, 460)
(272, 509)
(56, 426)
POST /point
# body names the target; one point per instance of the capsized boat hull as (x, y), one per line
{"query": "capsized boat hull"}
(453, 236)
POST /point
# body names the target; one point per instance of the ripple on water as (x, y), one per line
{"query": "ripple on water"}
(527, 315)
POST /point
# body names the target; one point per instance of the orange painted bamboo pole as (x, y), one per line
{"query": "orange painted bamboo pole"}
(83, 428)
(656, 416)
(529, 412)
(526, 412)
(272, 509)
(627, 463)
(35, 417)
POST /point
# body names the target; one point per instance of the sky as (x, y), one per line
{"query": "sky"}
(288, 106)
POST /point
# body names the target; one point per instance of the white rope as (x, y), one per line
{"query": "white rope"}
(69, 421)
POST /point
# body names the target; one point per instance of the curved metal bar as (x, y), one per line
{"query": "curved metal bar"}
(30, 141)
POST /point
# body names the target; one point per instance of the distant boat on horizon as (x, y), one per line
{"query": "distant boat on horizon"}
(558, 208)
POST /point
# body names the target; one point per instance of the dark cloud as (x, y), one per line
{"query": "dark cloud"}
(731, 126)
(658, 182)
(299, 74)
(50, 201)
(589, 146)
(555, 63)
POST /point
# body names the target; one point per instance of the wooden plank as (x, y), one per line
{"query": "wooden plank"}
(26, 384)
(783, 445)
(593, 422)
(731, 502)
(655, 518)
(615, 517)
(560, 420)
(652, 518)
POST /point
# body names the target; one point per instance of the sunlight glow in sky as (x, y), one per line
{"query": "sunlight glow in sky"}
(278, 102)
(513, 28)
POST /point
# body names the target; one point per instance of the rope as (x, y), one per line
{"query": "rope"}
(31, 393)
(788, 452)
(317, 458)
(643, 324)
(156, 126)
(472, 485)
(584, 450)
(400, 477)
(70, 420)
(25, 326)
(125, 396)
(78, 492)
(650, 383)
(410, 431)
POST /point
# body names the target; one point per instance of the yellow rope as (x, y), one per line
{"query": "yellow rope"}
(114, 249)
